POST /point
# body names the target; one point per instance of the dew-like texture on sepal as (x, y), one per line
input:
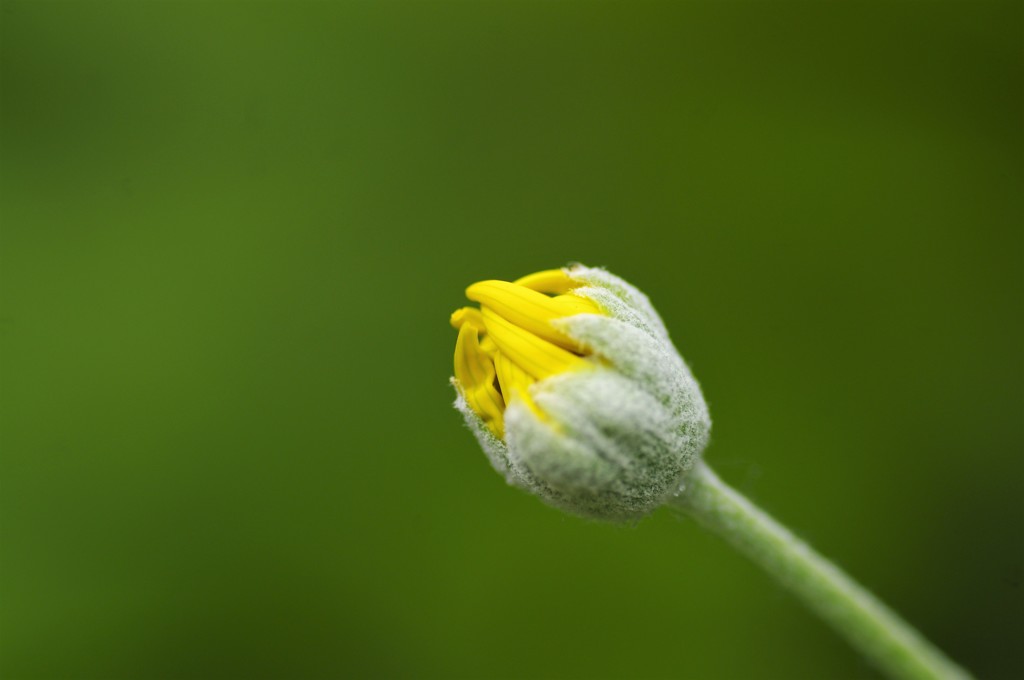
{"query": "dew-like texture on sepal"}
(633, 339)
(509, 467)
(620, 299)
(613, 441)
(496, 450)
(606, 448)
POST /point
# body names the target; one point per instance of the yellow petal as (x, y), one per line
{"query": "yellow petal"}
(475, 373)
(551, 281)
(488, 347)
(513, 380)
(529, 309)
(515, 383)
(574, 304)
(466, 315)
(536, 356)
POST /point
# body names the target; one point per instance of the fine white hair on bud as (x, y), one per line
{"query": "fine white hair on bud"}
(570, 383)
(610, 430)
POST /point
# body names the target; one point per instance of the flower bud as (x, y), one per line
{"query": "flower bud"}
(571, 385)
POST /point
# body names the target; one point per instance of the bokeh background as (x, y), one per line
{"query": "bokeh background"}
(232, 233)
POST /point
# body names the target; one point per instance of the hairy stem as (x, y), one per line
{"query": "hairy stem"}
(892, 645)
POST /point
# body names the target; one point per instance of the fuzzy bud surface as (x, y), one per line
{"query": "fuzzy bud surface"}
(575, 392)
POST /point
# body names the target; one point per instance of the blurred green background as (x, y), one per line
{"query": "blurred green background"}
(232, 234)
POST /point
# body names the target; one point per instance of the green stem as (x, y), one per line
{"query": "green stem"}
(872, 628)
